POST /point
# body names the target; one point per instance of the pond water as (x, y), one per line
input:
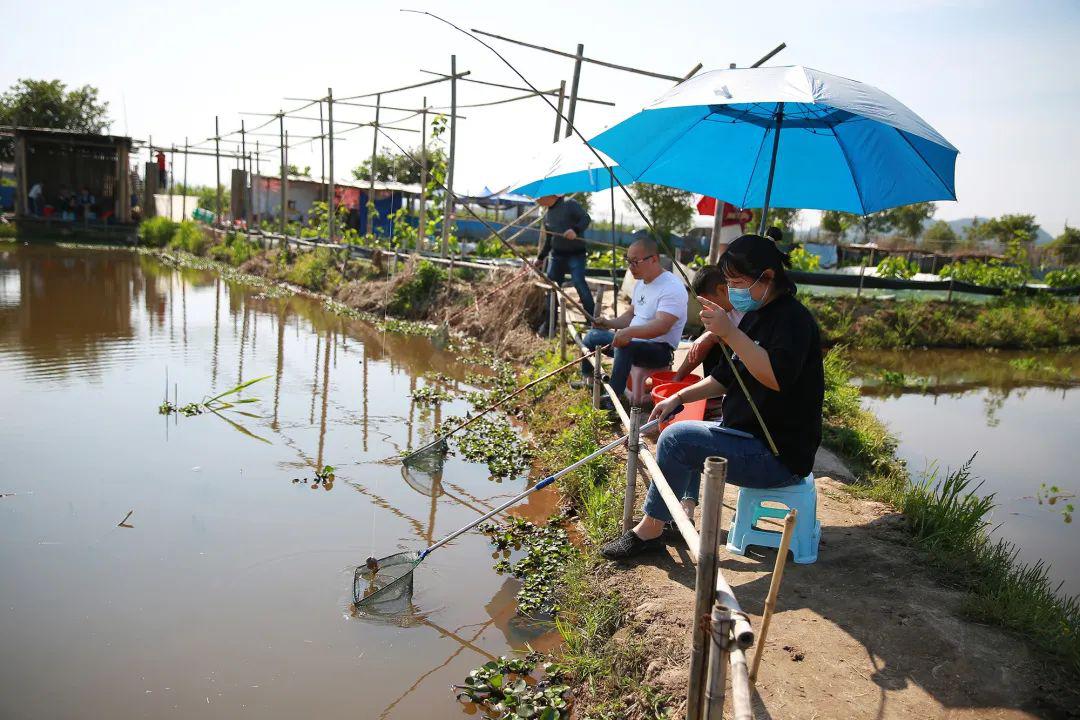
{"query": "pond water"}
(1020, 411)
(227, 591)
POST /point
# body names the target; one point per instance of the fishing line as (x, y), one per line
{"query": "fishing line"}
(665, 241)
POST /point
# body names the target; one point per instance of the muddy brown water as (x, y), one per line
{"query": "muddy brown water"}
(228, 590)
(1024, 425)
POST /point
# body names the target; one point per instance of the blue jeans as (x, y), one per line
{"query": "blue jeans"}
(681, 451)
(643, 353)
(559, 265)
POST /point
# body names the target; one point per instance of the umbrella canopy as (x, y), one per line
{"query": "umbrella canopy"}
(815, 140)
(568, 166)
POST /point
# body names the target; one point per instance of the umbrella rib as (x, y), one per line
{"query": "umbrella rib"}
(757, 159)
(851, 170)
(939, 179)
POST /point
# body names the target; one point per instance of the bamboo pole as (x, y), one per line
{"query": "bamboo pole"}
(740, 687)
(562, 331)
(284, 180)
(558, 111)
(712, 504)
(633, 446)
(448, 213)
(169, 180)
(371, 181)
(719, 651)
(183, 202)
(597, 381)
(774, 589)
(574, 89)
(217, 165)
(421, 223)
(331, 212)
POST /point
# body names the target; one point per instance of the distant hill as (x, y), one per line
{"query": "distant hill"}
(960, 225)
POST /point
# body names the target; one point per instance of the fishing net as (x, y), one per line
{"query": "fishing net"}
(389, 588)
(423, 478)
(428, 459)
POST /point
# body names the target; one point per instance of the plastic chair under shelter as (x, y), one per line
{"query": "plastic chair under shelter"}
(751, 508)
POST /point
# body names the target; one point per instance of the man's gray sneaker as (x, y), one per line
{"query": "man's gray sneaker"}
(628, 545)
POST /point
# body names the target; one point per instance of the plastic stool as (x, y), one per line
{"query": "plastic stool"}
(750, 508)
(636, 387)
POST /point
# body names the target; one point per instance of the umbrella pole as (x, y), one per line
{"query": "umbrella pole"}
(614, 282)
(772, 170)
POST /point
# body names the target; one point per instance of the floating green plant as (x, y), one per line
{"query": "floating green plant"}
(506, 690)
(213, 404)
(497, 444)
(547, 551)
(430, 395)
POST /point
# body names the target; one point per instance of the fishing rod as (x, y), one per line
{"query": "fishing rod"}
(633, 202)
(441, 439)
(538, 486)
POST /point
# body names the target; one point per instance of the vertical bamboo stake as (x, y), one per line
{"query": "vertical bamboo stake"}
(553, 312)
(597, 381)
(774, 589)
(184, 201)
(574, 89)
(614, 279)
(371, 182)
(562, 330)
(331, 211)
(246, 200)
(169, 180)
(448, 212)
(281, 137)
(421, 221)
(633, 446)
(217, 165)
(558, 112)
(719, 649)
(717, 228)
(322, 152)
(712, 504)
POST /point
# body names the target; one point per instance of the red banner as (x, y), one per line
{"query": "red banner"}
(732, 215)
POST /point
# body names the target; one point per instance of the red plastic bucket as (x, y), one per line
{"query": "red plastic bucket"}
(662, 377)
(691, 411)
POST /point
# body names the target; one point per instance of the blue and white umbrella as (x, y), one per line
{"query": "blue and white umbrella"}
(789, 137)
(567, 166)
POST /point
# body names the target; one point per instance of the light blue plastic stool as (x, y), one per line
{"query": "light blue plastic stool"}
(750, 508)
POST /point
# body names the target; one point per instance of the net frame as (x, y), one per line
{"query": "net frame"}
(398, 568)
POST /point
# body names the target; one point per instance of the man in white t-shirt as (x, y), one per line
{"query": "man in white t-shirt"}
(647, 334)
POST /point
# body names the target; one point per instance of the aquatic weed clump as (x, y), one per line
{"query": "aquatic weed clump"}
(430, 395)
(505, 689)
(497, 444)
(547, 551)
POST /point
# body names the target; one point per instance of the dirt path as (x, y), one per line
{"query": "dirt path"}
(865, 632)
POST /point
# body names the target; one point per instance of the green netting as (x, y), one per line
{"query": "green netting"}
(389, 587)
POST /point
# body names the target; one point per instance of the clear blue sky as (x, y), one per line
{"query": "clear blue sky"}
(997, 79)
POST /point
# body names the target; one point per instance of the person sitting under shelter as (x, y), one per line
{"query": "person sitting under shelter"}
(564, 229)
(646, 334)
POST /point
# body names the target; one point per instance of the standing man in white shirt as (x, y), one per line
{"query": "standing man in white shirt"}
(647, 334)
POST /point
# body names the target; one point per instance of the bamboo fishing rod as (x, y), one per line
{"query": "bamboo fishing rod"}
(633, 202)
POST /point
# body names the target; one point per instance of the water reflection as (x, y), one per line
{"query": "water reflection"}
(1023, 427)
(221, 542)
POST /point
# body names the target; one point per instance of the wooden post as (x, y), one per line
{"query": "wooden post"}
(553, 311)
(717, 228)
(284, 180)
(774, 589)
(322, 152)
(22, 188)
(371, 182)
(558, 111)
(951, 281)
(574, 89)
(448, 212)
(712, 504)
(597, 382)
(183, 203)
(421, 221)
(719, 649)
(217, 165)
(172, 159)
(562, 330)
(246, 167)
(633, 446)
(614, 255)
(330, 210)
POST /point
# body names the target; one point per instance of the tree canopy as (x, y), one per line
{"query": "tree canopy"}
(669, 209)
(940, 237)
(909, 219)
(1009, 228)
(395, 167)
(1067, 245)
(49, 104)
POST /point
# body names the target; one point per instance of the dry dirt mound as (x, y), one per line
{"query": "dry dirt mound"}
(866, 632)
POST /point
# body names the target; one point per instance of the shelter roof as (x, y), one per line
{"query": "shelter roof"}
(68, 136)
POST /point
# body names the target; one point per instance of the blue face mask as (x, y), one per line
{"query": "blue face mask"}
(743, 301)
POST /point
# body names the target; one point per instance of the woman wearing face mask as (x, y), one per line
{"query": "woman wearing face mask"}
(777, 350)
